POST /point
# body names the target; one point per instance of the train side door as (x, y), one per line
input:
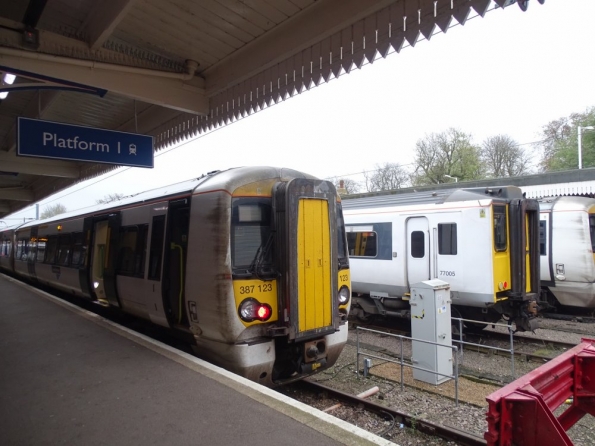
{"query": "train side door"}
(545, 248)
(418, 250)
(155, 265)
(174, 266)
(32, 253)
(102, 265)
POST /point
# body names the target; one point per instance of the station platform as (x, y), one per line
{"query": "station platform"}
(68, 376)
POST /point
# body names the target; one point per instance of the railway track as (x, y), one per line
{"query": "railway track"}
(570, 317)
(398, 418)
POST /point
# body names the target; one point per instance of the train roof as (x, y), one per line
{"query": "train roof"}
(228, 179)
(501, 193)
(566, 203)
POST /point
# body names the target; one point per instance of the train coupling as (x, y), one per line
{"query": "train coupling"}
(527, 319)
(526, 324)
(314, 350)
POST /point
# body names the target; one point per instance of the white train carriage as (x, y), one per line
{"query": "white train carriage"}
(481, 241)
(567, 246)
(250, 263)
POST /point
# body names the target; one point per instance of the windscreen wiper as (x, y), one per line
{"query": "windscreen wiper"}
(261, 254)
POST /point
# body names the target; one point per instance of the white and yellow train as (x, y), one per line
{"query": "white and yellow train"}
(482, 241)
(250, 263)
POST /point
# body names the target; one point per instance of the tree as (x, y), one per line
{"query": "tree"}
(388, 176)
(53, 209)
(503, 157)
(350, 186)
(110, 197)
(448, 153)
(560, 142)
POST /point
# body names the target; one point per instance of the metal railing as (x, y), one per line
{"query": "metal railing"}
(402, 362)
(461, 342)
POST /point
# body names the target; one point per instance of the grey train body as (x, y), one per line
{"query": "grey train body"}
(216, 259)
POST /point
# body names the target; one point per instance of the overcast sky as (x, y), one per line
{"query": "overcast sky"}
(508, 73)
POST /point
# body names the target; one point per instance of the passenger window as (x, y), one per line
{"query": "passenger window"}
(32, 249)
(447, 239)
(592, 231)
(155, 255)
(418, 244)
(5, 250)
(41, 243)
(22, 249)
(362, 244)
(79, 249)
(51, 249)
(63, 254)
(500, 232)
(543, 237)
(131, 256)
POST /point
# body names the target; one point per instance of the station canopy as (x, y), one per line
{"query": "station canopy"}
(175, 68)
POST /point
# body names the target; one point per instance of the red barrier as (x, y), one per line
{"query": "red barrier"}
(522, 413)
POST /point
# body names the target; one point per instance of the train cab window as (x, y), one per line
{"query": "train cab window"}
(156, 250)
(51, 248)
(252, 242)
(500, 232)
(447, 239)
(132, 252)
(592, 231)
(418, 244)
(362, 243)
(41, 243)
(79, 250)
(543, 237)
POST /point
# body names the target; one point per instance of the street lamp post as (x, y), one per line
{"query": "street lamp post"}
(580, 143)
(455, 178)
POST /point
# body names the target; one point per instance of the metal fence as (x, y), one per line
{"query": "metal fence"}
(402, 362)
(462, 343)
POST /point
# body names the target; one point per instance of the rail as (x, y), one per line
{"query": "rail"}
(402, 362)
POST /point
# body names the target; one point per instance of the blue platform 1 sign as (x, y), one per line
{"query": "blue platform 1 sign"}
(45, 139)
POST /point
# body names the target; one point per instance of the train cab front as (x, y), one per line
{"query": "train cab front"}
(294, 287)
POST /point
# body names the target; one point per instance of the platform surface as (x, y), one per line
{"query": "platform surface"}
(70, 377)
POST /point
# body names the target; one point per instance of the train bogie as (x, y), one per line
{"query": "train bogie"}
(251, 263)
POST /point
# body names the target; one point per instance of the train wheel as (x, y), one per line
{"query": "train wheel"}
(365, 318)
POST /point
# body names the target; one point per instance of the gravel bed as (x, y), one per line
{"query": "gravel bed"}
(436, 403)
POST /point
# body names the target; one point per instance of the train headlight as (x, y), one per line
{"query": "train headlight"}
(343, 295)
(251, 310)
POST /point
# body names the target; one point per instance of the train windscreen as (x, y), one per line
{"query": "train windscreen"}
(252, 238)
